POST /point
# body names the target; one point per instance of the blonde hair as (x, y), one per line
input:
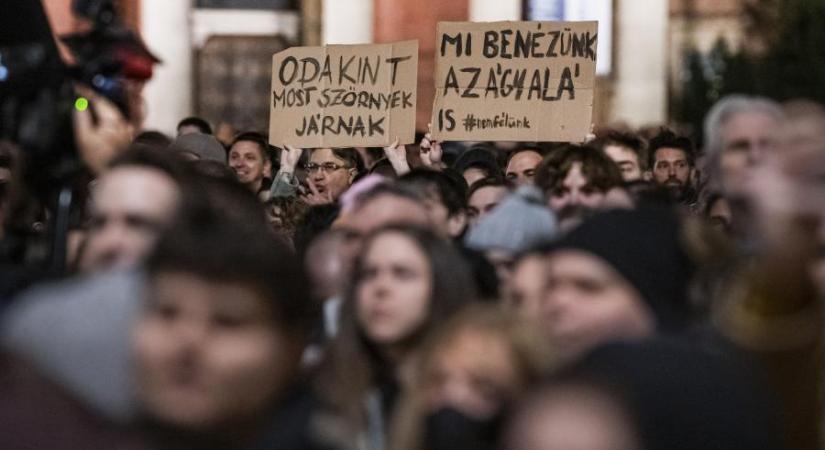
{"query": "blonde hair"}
(531, 356)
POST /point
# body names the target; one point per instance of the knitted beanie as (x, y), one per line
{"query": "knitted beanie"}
(644, 247)
(204, 146)
(519, 222)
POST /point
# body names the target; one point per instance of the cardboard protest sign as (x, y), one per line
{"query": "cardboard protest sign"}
(514, 81)
(344, 95)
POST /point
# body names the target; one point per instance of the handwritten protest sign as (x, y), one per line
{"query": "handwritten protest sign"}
(514, 81)
(344, 95)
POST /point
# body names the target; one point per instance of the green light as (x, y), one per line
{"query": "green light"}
(81, 104)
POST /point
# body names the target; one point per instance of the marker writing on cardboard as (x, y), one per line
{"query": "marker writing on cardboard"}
(501, 82)
(509, 44)
(353, 70)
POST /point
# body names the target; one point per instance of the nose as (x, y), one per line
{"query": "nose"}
(379, 287)
(187, 341)
(554, 304)
(191, 332)
(574, 197)
(671, 171)
(107, 246)
(755, 152)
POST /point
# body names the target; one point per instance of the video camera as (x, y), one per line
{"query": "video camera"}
(37, 95)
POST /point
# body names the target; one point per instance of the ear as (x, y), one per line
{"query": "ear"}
(647, 175)
(456, 223)
(352, 173)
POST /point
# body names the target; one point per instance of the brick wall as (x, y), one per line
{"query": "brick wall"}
(397, 20)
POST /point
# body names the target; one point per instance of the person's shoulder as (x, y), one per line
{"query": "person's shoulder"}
(297, 423)
(36, 413)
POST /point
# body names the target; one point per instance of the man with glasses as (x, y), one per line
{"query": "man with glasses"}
(330, 172)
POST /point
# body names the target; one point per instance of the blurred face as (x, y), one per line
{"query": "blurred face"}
(393, 292)
(568, 418)
(671, 168)
(330, 173)
(787, 184)
(380, 211)
(249, 164)
(474, 372)
(521, 169)
(627, 161)
(588, 303)
(483, 201)
(575, 190)
(528, 285)
(208, 353)
(746, 137)
(444, 223)
(474, 174)
(130, 207)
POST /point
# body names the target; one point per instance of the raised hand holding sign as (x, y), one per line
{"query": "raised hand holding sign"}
(514, 81)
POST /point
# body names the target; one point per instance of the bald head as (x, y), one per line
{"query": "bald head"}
(521, 168)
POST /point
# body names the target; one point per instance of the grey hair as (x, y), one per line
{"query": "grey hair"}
(719, 114)
(728, 107)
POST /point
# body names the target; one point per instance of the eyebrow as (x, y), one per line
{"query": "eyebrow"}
(738, 144)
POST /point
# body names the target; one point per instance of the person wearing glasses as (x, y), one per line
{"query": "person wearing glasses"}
(329, 173)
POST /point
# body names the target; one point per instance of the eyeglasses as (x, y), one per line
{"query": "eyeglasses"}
(326, 167)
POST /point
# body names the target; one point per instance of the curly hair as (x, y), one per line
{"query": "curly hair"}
(601, 172)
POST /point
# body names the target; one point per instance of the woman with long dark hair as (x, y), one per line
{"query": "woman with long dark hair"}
(406, 282)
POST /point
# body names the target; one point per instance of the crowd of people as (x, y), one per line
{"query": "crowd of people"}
(631, 292)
